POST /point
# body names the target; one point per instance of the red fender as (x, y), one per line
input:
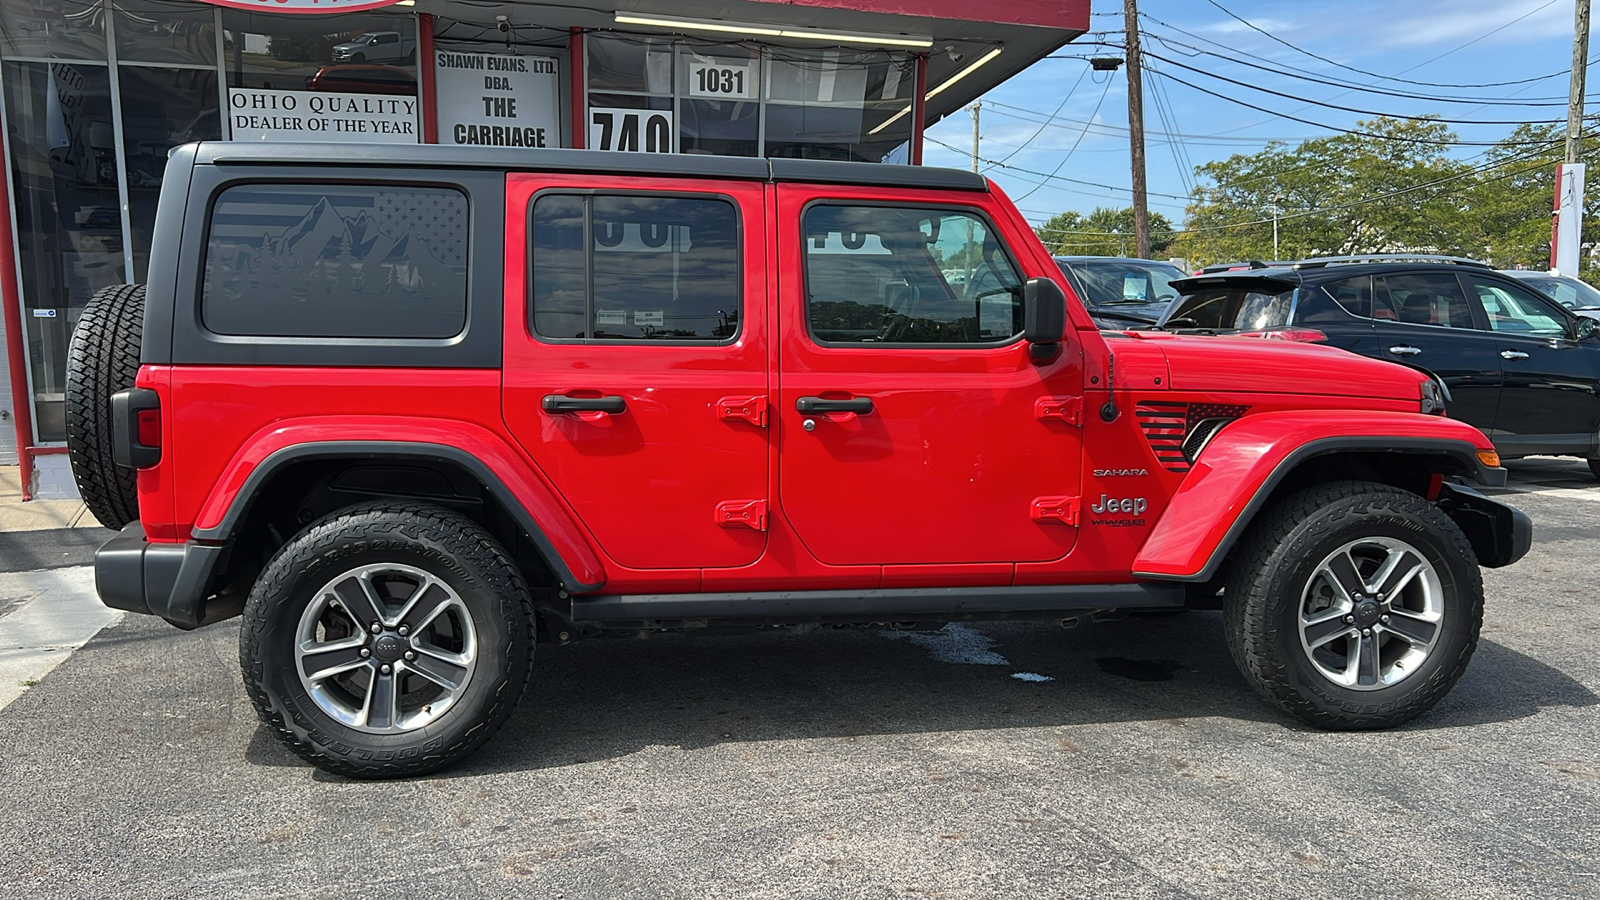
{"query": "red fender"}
(1240, 467)
(455, 439)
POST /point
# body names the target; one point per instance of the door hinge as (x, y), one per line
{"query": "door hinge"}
(1067, 409)
(750, 409)
(749, 513)
(1063, 510)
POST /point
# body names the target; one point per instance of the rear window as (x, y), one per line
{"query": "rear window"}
(356, 261)
(1231, 309)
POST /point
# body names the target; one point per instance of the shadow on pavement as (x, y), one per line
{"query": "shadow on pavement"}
(607, 699)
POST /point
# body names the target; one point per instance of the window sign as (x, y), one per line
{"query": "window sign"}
(721, 78)
(257, 114)
(638, 130)
(498, 99)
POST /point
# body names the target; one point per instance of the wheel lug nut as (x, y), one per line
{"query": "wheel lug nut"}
(1383, 618)
(377, 628)
(365, 653)
(1365, 632)
(386, 668)
(410, 656)
(404, 631)
(1349, 619)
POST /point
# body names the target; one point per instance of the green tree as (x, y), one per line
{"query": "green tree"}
(1324, 190)
(1104, 232)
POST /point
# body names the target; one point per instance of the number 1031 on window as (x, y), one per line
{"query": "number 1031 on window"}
(728, 81)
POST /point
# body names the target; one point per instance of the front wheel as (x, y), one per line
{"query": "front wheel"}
(387, 640)
(1354, 605)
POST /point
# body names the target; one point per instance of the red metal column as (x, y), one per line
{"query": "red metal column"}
(16, 342)
(919, 103)
(430, 113)
(578, 93)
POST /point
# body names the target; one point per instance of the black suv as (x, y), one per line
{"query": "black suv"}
(1520, 367)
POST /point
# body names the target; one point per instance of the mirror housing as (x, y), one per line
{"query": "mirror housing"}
(1044, 317)
(1585, 328)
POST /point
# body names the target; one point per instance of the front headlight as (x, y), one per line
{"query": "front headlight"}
(1434, 397)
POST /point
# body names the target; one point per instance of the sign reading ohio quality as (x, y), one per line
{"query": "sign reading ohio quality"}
(267, 115)
(498, 99)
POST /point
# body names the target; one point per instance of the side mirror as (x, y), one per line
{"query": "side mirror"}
(1585, 328)
(1044, 316)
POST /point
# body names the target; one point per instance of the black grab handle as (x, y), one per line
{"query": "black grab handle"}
(862, 405)
(555, 404)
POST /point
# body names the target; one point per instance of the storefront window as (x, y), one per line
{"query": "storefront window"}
(68, 218)
(53, 29)
(720, 109)
(161, 109)
(838, 104)
(297, 53)
(165, 32)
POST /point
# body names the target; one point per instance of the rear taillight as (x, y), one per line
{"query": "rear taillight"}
(150, 428)
(1299, 335)
(136, 428)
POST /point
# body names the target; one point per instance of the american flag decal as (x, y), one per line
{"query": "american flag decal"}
(1176, 430)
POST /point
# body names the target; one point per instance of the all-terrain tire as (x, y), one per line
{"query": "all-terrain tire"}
(103, 359)
(1273, 576)
(299, 580)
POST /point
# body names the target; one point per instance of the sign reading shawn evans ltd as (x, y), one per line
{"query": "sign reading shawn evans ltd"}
(498, 99)
(256, 114)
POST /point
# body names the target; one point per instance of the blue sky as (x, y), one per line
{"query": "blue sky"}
(1451, 42)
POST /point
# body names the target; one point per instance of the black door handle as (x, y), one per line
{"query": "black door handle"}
(555, 404)
(862, 405)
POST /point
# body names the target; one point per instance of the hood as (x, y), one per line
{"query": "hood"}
(1255, 365)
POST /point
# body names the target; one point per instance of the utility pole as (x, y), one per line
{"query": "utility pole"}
(1566, 234)
(1141, 214)
(1580, 63)
(975, 109)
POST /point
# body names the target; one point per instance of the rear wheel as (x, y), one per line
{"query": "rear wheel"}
(386, 640)
(103, 359)
(1354, 605)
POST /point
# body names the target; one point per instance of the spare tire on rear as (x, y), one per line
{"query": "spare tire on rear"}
(102, 360)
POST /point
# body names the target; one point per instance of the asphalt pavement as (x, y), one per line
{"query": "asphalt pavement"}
(1119, 759)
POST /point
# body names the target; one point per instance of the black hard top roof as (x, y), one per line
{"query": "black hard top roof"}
(598, 162)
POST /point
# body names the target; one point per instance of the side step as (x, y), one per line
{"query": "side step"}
(884, 605)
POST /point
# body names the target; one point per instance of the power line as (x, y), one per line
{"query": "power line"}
(1387, 137)
(1299, 49)
(1047, 175)
(1350, 109)
(1074, 148)
(1062, 105)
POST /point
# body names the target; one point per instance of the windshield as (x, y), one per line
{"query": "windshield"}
(1112, 281)
(1569, 292)
(1230, 309)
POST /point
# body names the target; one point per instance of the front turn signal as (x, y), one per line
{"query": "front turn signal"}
(1489, 458)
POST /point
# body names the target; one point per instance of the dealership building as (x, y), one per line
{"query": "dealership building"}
(93, 93)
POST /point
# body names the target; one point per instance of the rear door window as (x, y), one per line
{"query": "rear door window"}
(336, 260)
(1427, 298)
(635, 268)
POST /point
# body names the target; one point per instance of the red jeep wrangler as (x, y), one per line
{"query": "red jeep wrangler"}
(415, 409)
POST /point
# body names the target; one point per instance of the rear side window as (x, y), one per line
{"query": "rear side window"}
(1427, 298)
(624, 268)
(1355, 296)
(355, 261)
(1231, 309)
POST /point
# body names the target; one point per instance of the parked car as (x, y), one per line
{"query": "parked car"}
(363, 79)
(413, 409)
(1121, 292)
(1519, 366)
(376, 47)
(1574, 293)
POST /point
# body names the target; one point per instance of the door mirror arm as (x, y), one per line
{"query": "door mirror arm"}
(1044, 318)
